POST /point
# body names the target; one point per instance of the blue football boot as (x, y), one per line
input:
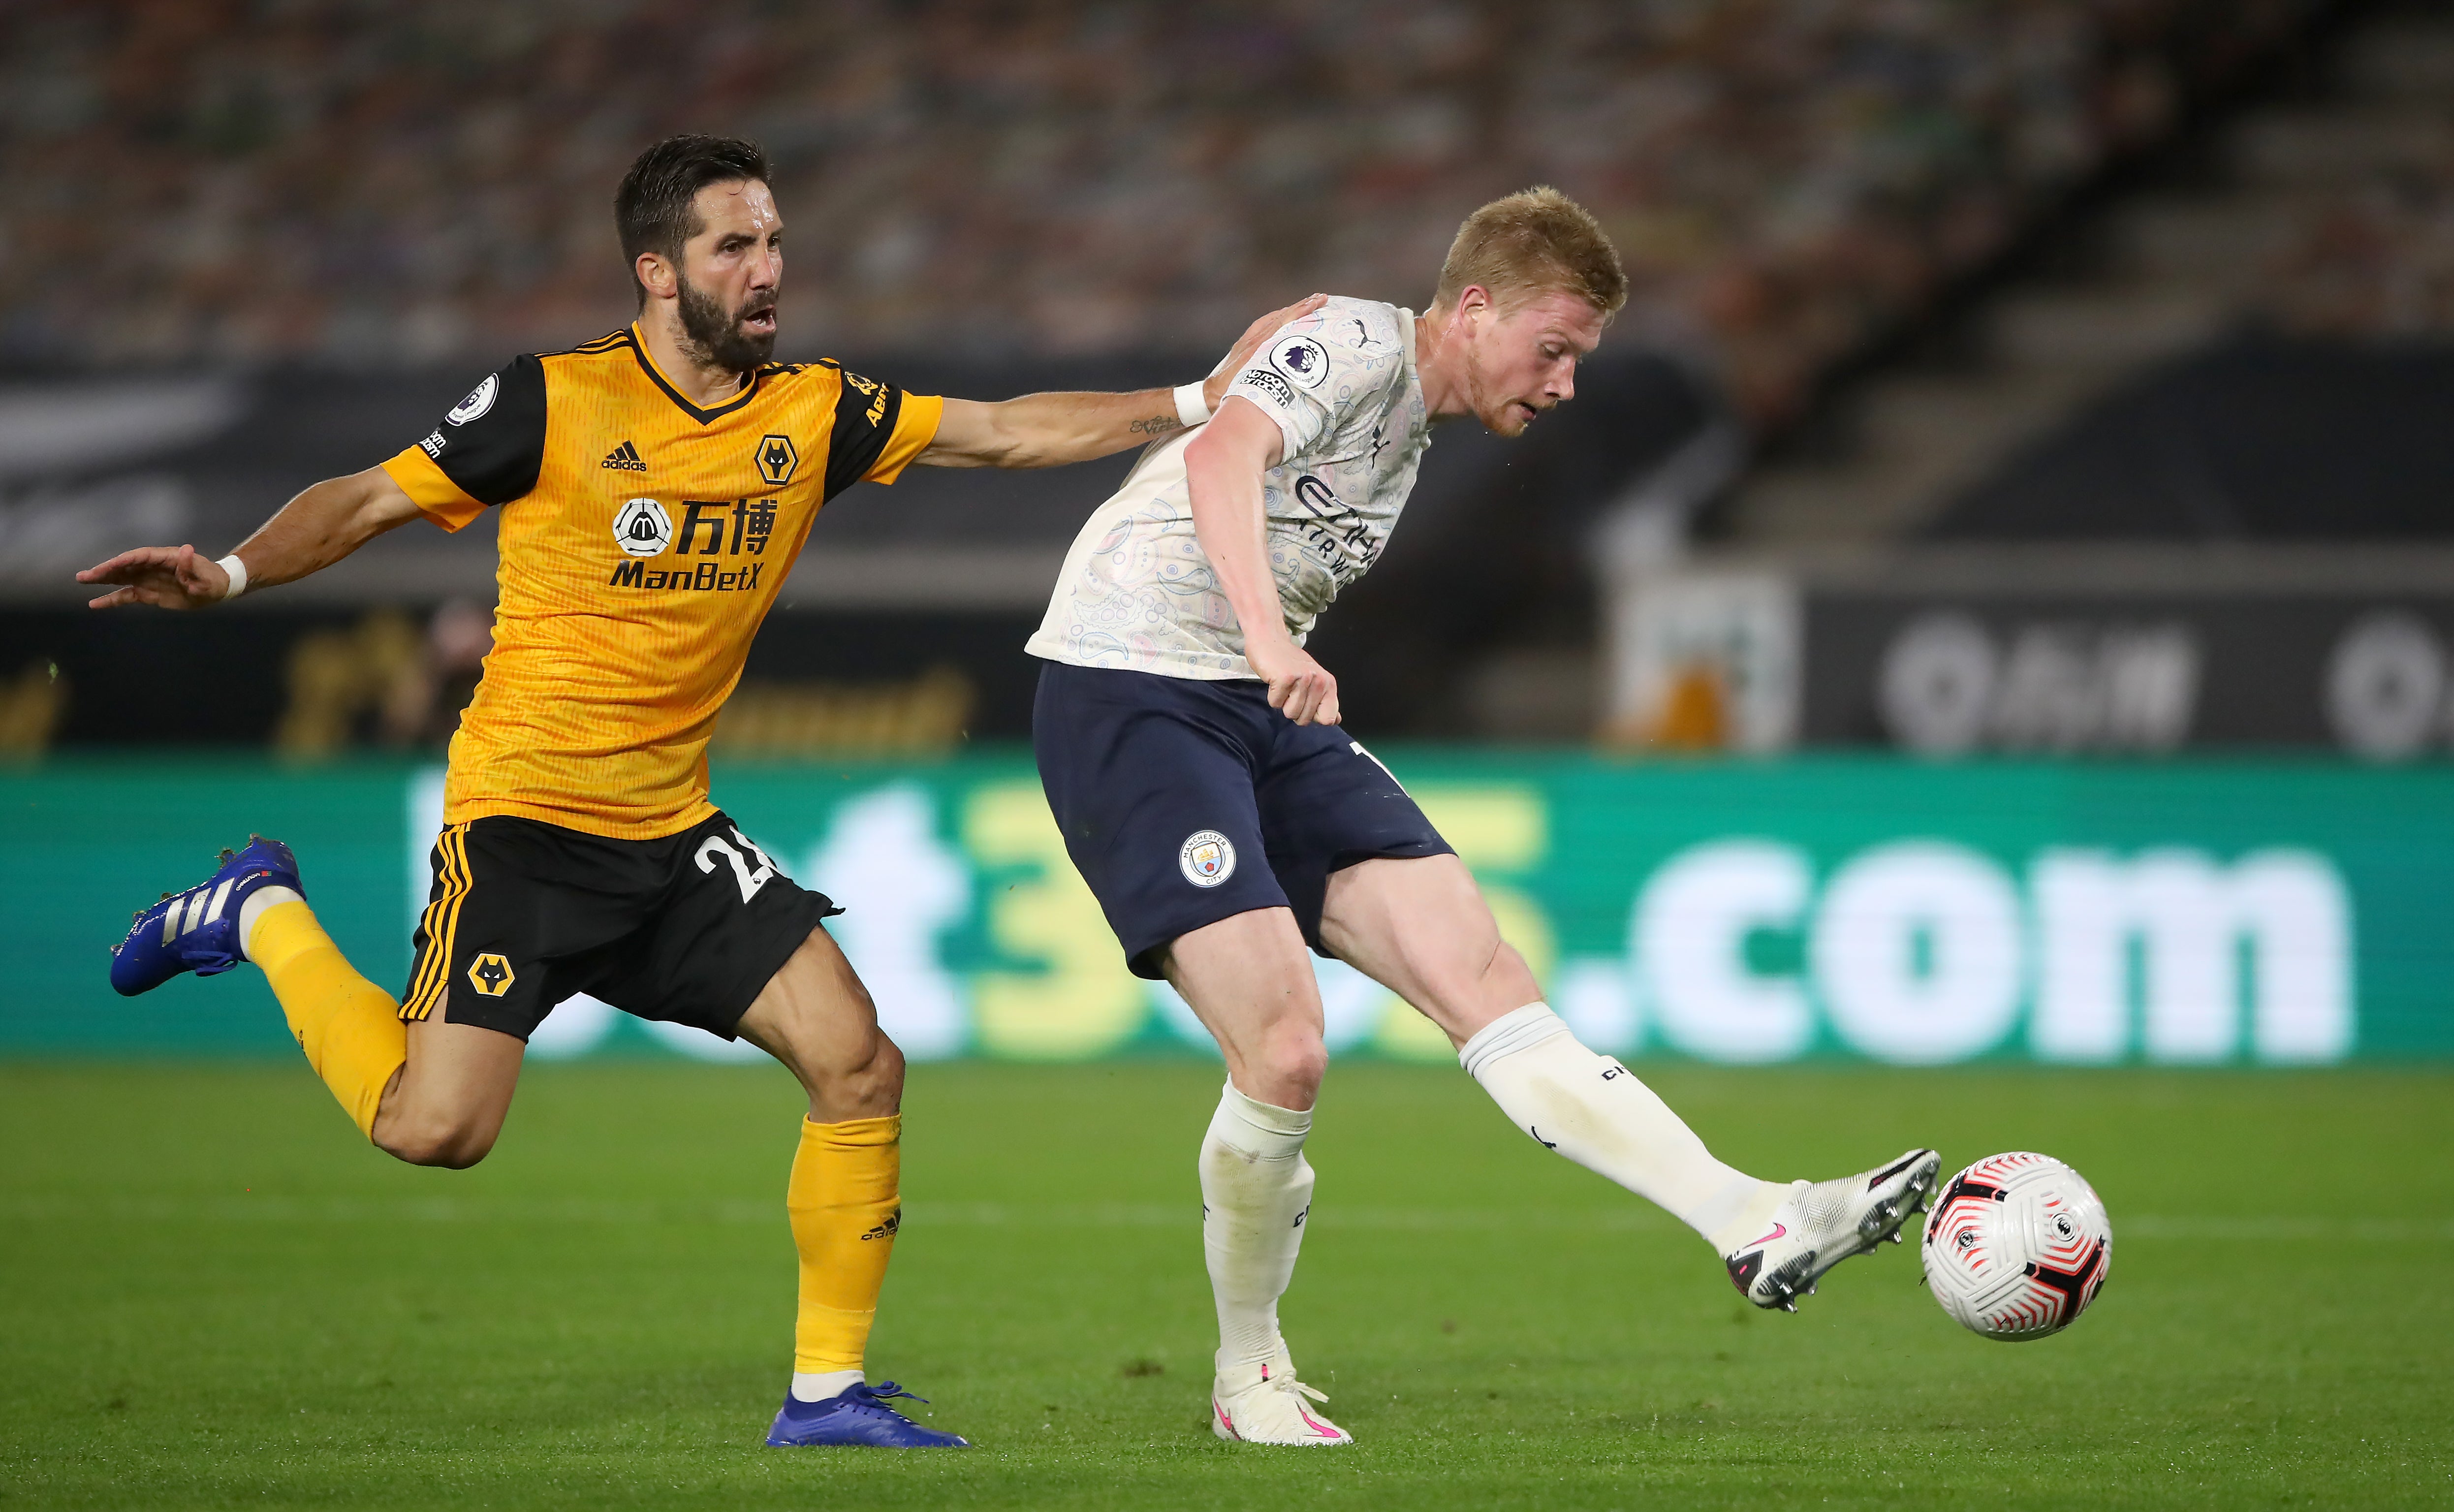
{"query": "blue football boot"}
(859, 1416)
(197, 930)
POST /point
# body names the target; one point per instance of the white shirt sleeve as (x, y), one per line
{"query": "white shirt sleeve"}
(1312, 371)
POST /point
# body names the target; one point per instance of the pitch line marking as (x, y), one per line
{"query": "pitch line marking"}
(520, 1213)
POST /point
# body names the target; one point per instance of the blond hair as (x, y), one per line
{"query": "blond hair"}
(1534, 241)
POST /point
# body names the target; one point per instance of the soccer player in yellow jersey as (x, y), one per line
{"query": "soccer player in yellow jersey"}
(656, 485)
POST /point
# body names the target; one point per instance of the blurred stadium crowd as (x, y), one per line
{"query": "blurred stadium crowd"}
(1927, 291)
(338, 181)
(2358, 237)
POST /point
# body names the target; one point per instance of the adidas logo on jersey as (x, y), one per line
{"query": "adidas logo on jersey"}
(624, 458)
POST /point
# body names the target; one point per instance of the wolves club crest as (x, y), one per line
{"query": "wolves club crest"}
(777, 457)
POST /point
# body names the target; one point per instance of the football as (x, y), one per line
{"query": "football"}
(2017, 1246)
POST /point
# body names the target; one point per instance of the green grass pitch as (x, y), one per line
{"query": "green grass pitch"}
(212, 1295)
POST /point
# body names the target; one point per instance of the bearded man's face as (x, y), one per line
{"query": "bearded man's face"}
(729, 272)
(738, 340)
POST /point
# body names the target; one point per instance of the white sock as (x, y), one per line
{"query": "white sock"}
(818, 1385)
(1256, 1192)
(1594, 1111)
(257, 901)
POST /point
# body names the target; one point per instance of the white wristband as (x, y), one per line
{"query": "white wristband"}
(237, 570)
(1192, 405)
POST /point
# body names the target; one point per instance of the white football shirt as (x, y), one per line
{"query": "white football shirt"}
(1136, 591)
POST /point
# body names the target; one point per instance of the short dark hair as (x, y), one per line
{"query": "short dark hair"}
(655, 210)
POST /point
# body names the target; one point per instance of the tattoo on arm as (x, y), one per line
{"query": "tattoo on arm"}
(1155, 425)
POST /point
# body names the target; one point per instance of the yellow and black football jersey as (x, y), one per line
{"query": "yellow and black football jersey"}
(643, 541)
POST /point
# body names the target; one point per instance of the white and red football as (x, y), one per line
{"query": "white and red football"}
(2017, 1246)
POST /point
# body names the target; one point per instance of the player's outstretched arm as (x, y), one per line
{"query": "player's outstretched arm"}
(1222, 471)
(323, 524)
(1050, 429)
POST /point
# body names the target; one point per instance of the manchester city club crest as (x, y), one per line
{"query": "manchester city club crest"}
(1206, 858)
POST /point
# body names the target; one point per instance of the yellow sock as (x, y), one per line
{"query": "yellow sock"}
(846, 1203)
(349, 1028)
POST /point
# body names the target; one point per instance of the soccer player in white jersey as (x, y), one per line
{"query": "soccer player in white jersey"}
(1190, 752)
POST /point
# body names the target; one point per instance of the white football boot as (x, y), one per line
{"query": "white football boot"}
(1821, 1223)
(1265, 1404)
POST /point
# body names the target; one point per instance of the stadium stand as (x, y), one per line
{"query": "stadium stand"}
(2267, 318)
(315, 221)
(2326, 258)
(2258, 439)
(2175, 479)
(427, 184)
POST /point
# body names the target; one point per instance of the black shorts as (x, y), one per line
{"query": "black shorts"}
(1183, 803)
(687, 928)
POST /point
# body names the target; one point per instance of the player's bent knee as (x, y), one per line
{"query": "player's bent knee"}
(449, 1147)
(817, 1019)
(878, 1079)
(452, 1138)
(1295, 1058)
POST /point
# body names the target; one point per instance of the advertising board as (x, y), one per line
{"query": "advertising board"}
(2170, 913)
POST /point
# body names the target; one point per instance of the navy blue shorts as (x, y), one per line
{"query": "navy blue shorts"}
(1185, 802)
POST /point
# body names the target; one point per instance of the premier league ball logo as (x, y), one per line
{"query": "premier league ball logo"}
(1206, 858)
(1302, 360)
(480, 400)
